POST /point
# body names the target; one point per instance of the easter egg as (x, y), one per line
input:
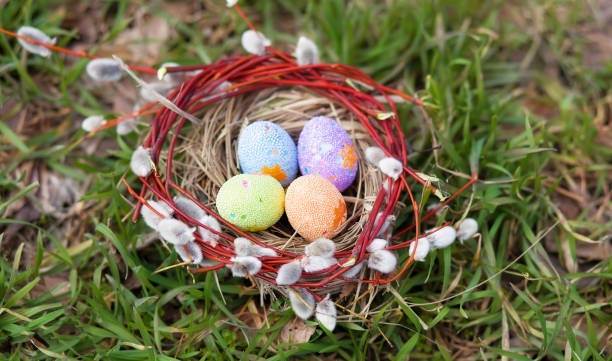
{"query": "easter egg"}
(266, 148)
(325, 149)
(315, 208)
(251, 202)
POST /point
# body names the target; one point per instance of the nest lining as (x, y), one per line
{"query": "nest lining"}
(205, 157)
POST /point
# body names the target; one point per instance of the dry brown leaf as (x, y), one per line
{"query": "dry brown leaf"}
(591, 251)
(347, 290)
(49, 283)
(604, 136)
(132, 282)
(296, 331)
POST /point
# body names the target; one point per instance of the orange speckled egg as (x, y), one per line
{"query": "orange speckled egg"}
(314, 206)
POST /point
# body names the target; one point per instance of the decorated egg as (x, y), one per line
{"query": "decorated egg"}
(315, 208)
(251, 202)
(266, 148)
(325, 149)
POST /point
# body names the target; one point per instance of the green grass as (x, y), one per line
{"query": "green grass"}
(509, 95)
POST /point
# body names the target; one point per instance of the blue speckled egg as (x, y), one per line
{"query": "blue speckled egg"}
(325, 149)
(266, 148)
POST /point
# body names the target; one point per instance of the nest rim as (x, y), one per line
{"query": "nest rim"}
(328, 80)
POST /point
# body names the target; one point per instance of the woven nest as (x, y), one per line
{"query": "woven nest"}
(190, 151)
(194, 159)
(206, 158)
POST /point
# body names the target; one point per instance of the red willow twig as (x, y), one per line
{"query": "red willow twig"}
(82, 54)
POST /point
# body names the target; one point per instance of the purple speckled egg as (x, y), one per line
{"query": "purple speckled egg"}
(325, 149)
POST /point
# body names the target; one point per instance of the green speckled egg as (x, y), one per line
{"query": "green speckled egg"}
(251, 202)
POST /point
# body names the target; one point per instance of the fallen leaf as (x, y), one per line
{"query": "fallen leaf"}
(347, 289)
(296, 331)
(132, 282)
(58, 284)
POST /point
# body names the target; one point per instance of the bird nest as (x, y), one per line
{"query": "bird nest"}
(194, 160)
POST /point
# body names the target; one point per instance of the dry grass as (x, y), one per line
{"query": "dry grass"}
(207, 156)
